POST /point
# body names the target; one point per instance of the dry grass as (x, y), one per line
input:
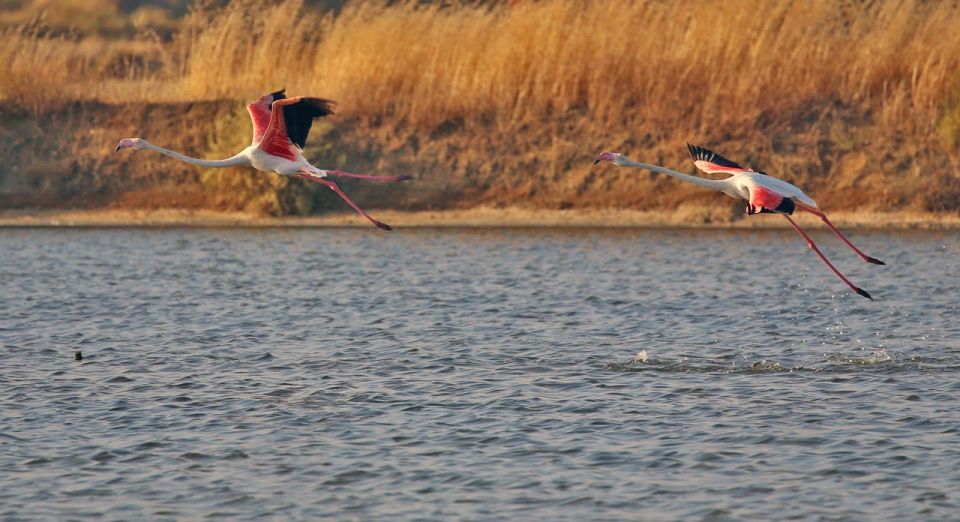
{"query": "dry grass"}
(691, 64)
(88, 17)
(616, 61)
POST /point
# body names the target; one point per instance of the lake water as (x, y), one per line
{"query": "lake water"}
(477, 374)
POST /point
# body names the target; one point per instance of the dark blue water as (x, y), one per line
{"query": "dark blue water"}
(476, 374)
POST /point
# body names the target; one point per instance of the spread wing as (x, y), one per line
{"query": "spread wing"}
(260, 114)
(713, 163)
(299, 117)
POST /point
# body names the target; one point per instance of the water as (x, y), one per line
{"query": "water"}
(477, 374)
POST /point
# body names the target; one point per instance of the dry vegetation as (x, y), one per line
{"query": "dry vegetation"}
(498, 104)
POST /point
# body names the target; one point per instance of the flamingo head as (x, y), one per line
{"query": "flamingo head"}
(613, 157)
(132, 143)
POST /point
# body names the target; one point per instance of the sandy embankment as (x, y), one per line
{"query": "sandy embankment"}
(524, 185)
(475, 217)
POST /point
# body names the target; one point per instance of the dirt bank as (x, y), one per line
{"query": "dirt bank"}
(474, 217)
(64, 161)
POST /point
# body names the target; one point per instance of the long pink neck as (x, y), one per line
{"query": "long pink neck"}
(239, 159)
(715, 184)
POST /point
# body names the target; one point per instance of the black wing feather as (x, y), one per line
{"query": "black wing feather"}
(700, 153)
(299, 117)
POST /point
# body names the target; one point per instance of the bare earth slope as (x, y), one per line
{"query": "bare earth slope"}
(65, 160)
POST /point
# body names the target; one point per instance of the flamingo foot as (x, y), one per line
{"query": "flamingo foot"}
(862, 292)
(874, 260)
(404, 178)
(384, 226)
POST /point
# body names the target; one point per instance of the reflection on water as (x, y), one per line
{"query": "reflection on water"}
(560, 374)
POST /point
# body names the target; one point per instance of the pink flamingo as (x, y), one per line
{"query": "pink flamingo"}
(280, 128)
(763, 194)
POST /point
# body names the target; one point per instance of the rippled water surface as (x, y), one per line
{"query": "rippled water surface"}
(438, 374)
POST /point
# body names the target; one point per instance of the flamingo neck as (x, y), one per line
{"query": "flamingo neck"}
(239, 159)
(715, 184)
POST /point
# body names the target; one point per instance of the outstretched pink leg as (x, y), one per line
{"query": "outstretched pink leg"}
(333, 186)
(827, 261)
(823, 217)
(342, 174)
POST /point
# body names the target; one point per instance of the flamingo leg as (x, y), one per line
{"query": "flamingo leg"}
(823, 217)
(334, 187)
(342, 174)
(813, 246)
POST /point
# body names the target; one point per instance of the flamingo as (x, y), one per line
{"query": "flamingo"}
(280, 128)
(764, 194)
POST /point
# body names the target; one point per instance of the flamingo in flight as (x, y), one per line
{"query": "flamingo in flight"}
(763, 194)
(280, 128)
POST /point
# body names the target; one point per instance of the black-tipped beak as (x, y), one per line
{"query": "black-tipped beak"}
(596, 161)
(117, 149)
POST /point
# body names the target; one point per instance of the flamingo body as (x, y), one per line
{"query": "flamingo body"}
(287, 164)
(756, 187)
(763, 193)
(770, 201)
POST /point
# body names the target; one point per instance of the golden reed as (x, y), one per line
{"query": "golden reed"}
(675, 65)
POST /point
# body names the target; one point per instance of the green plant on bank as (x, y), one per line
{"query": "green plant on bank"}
(949, 125)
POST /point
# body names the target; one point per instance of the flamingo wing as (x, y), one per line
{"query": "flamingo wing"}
(299, 117)
(713, 163)
(260, 117)
(260, 114)
(290, 121)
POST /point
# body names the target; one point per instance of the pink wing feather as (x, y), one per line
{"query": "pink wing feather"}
(260, 117)
(713, 163)
(765, 198)
(275, 140)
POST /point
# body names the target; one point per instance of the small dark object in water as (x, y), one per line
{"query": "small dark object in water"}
(78, 356)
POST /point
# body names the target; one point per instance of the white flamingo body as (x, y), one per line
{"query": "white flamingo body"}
(261, 160)
(747, 182)
(280, 128)
(763, 193)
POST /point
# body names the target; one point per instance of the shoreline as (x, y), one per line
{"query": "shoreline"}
(481, 217)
